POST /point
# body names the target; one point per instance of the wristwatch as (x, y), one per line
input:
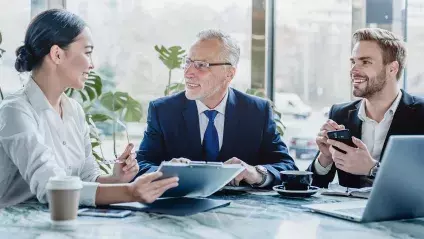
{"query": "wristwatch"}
(264, 172)
(374, 169)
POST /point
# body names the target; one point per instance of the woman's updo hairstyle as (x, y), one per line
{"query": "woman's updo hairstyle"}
(52, 27)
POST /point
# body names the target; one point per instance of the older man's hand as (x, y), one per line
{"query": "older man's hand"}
(180, 160)
(250, 175)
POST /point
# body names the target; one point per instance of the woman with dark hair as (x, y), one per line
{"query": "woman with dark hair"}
(43, 133)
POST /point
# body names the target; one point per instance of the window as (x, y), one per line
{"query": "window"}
(14, 19)
(312, 48)
(125, 33)
(312, 44)
(415, 44)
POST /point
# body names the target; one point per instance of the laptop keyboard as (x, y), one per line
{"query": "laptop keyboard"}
(353, 211)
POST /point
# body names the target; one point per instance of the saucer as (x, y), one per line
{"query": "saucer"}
(295, 193)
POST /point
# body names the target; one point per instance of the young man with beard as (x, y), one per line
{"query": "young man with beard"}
(378, 58)
(211, 121)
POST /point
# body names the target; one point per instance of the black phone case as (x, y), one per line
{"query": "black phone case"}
(346, 138)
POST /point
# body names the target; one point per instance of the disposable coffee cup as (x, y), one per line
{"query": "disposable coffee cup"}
(63, 194)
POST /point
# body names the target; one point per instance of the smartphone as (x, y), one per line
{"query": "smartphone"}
(343, 136)
(100, 212)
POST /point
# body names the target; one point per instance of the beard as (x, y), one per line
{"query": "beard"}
(373, 85)
(204, 94)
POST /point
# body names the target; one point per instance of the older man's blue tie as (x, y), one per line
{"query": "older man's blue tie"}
(210, 139)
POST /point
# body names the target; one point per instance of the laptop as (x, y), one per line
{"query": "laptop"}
(398, 192)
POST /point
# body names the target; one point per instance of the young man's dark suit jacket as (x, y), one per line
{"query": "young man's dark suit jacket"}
(249, 134)
(408, 120)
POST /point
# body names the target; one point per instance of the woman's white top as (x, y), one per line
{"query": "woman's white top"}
(36, 144)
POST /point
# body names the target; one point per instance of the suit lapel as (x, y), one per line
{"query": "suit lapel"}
(354, 121)
(404, 113)
(355, 126)
(232, 116)
(191, 119)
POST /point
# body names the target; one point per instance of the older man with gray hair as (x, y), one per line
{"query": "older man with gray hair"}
(210, 121)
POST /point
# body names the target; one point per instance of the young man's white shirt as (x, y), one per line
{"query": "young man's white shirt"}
(373, 133)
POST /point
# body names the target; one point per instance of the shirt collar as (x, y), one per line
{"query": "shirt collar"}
(37, 98)
(391, 111)
(220, 108)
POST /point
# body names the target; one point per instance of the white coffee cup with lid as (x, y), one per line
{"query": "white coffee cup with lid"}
(63, 193)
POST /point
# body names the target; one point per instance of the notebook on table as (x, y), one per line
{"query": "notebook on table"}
(173, 206)
(337, 190)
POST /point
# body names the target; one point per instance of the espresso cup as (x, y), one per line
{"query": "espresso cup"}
(296, 180)
(63, 194)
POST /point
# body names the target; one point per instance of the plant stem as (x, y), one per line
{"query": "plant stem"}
(113, 127)
(169, 81)
(103, 157)
(114, 138)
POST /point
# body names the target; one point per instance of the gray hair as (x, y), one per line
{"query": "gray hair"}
(230, 49)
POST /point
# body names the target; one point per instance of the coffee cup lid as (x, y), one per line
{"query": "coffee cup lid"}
(64, 183)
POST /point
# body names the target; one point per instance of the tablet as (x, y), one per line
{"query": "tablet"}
(198, 178)
(99, 212)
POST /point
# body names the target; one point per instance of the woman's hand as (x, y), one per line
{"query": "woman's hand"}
(127, 168)
(146, 189)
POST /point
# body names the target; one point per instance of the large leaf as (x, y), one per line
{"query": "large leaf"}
(172, 57)
(129, 109)
(95, 144)
(92, 89)
(87, 107)
(94, 131)
(132, 111)
(113, 101)
(174, 88)
(70, 92)
(89, 120)
(94, 83)
(100, 117)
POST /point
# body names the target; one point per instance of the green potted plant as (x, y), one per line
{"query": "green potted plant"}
(119, 106)
(172, 57)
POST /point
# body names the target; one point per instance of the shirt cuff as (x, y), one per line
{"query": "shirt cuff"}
(268, 181)
(88, 194)
(320, 169)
